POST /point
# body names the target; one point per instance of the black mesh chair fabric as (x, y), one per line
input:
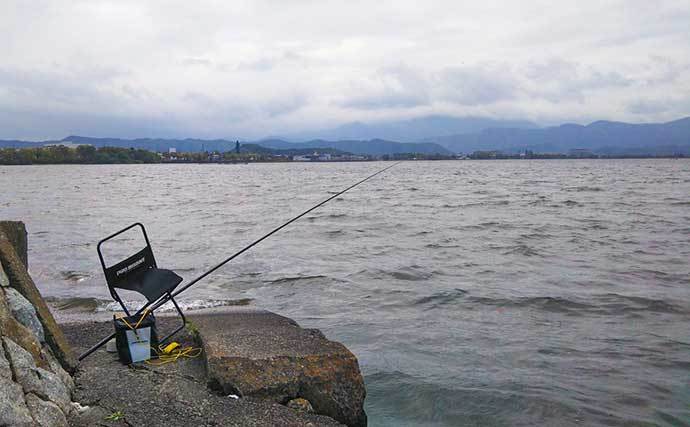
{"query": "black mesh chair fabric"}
(152, 283)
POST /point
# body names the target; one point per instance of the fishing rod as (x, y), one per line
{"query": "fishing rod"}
(169, 297)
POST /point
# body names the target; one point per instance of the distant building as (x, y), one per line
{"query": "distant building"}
(486, 154)
(303, 158)
(580, 153)
(172, 150)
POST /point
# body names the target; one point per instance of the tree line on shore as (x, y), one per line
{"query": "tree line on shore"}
(82, 154)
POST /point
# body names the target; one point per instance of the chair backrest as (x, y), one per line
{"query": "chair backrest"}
(119, 274)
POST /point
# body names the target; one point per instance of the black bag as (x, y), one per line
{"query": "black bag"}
(135, 338)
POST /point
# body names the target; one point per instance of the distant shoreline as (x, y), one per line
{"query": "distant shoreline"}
(88, 154)
(345, 161)
(353, 161)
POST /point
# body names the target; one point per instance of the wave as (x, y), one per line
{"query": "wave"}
(441, 246)
(84, 304)
(96, 305)
(551, 304)
(292, 279)
(74, 276)
(442, 298)
(628, 304)
(523, 250)
(583, 188)
(410, 274)
(606, 304)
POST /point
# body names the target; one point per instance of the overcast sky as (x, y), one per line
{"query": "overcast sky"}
(250, 69)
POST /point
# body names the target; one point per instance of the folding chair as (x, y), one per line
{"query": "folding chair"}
(139, 273)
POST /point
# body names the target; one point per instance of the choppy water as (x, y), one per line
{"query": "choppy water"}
(501, 293)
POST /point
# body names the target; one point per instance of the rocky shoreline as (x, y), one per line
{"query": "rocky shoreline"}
(256, 368)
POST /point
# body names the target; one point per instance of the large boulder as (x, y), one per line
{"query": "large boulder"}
(20, 334)
(24, 312)
(45, 413)
(262, 355)
(15, 231)
(20, 280)
(13, 410)
(55, 367)
(33, 379)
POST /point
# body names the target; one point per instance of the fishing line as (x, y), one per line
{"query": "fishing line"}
(167, 298)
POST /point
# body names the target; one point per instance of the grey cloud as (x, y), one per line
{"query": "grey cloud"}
(405, 87)
(241, 110)
(477, 85)
(649, 106)
(663, 105)
(280, 106)
(207, 107)
(263, 64)
(551, 69)
(197, 61)
(666, 70)
(43, 125)
(268, 63)
(386, 99)
(64, 87)
(603, 79)
(397, 86)
(558, 80)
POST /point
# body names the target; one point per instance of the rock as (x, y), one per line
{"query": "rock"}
(15, 231)
(4, 280)
(22, 282)
(5, 368)
(33, 379)
(56, 368)
(300, 404)
(263, 355)
(13, 410)
(19, 333)
(24, 312)
(46, 414)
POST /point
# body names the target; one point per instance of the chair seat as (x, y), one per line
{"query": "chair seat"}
(153, 283)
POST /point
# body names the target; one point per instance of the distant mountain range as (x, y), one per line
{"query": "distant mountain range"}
(410, 130)
(602, 137)
(375, 147)
(477, 134)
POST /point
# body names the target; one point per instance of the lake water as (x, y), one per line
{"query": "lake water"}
(497, 293)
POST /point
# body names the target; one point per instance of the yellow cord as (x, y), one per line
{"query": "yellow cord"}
(141, 319)
(172, 352)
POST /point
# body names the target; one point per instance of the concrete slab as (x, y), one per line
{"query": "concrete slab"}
(263, 355)
(170, 395)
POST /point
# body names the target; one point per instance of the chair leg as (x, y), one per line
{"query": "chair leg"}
(184, 322)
